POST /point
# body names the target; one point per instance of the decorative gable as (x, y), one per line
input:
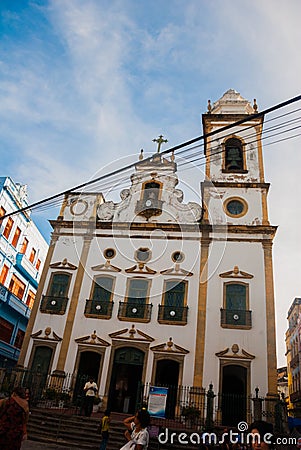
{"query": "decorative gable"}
(131, 335)
(93, 339)
(65, 265)
(236, 273)
(169, 347)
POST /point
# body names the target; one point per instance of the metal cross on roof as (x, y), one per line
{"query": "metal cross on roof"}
(160, 141)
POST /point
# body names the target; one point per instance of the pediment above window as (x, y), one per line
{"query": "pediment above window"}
(176, 270)
(131, 334)
(106, 267)
(140, 268)
(235, 352)
(93, 339)
(169, 347)
(236, 273)
(65, 265)
(46, 335)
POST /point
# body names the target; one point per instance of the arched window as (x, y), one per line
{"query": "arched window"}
(234, 155)
(236, 296)
(151, 191)
(99, 304)
(236, 305)
(136, 305)
(55, 302)
(173, 308)
(102, 288)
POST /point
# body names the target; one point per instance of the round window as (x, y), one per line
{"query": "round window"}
(109, 253)
(235, 207)
(177, 257)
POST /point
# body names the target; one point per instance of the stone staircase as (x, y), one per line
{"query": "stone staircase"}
(79, 432)
(72, 431)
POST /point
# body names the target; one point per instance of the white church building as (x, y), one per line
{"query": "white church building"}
(156, 290)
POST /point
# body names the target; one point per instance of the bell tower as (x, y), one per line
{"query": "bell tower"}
(235, 190)
(236, 291)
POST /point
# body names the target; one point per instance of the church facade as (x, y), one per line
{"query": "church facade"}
(155, 290)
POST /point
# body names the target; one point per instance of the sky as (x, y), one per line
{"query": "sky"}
(85, 84)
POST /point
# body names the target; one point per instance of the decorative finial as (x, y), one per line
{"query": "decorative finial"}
(255, 107)
(160, 141)
(132, 332)
(93, 335)
(141, 155)
(209, 107)
(172, 158)
(169, 343)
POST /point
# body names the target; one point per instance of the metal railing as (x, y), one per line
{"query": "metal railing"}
(53, 305)
(236, 318)
(174, 314)
(135, 310)
(98, 308)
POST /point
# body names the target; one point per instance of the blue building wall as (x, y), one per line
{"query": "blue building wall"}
(15, 311)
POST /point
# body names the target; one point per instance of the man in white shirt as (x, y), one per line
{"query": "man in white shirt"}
(90, 390)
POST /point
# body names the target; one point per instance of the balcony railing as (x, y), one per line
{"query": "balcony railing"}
(98, 308)
(149, 208)
(235, 318)
(174, 315)
(53, 305)
(135, 311)
(13, 301)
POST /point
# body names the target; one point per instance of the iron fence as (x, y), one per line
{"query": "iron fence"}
(186, 406)
(46, 390)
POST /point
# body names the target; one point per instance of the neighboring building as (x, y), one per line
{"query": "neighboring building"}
(282, 383)
(293, 349)
(22, 256)
(156, 290)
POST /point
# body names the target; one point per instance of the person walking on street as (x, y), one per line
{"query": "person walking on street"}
(14, 413)
(90, 390)
(105, 425)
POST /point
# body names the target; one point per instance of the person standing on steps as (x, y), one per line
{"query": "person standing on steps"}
(90, 390)
(105, 425)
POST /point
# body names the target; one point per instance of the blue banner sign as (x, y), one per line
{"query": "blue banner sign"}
(157, 401)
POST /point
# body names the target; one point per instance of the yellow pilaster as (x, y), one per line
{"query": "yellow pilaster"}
(258, 129)
(201, 315)
(73, 304)
(36, 303)
(270, 318)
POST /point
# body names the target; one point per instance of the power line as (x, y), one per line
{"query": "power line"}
(250, 117)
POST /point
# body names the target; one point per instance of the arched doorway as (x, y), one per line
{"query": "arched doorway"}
(39, 370)
(88, 366)
(41, 359)
(234, 394)
(167, 374)
(125, 380)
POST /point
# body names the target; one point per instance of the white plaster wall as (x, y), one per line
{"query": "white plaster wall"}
(162, 249)
(249, 258)
(70, 248)
(215, 204)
